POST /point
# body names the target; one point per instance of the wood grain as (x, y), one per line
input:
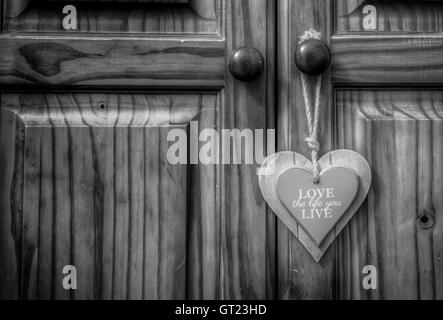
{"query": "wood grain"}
(97, 193)
(392, 16)
(11, 205)
(111, 62)
(398, 132)
(147, 17)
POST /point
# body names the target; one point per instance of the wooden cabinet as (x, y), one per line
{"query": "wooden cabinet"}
(84, 123)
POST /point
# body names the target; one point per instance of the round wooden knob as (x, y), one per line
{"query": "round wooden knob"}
(246, 64)
(313, 57)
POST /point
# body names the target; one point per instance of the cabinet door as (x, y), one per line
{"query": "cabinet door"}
(382, 98)
(85, 123)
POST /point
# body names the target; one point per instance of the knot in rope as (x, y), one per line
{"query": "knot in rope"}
(313, 144)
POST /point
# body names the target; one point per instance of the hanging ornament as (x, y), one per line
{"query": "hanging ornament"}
(315, 198)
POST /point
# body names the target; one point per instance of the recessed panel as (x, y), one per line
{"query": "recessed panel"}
(86, 181)
(388, 16)
(103, 16)
(399, 132)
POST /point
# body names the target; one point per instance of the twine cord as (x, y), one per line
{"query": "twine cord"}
(313, 119)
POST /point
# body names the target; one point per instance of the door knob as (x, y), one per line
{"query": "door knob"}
(313, 57)
(246, 64)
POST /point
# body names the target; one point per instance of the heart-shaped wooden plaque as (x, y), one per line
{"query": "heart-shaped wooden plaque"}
(317, 207)
(286, 178)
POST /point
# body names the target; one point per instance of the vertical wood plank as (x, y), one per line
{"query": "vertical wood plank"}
(122, 208)
(62, 197)
(247, 234)
(83, 209)
(105, 144)
(2, 7)
(88, 159)
(393, 16)
(148, 17)
(203, 277)
(45, 259)
(62, 200)
(11, 206)
(31, 212)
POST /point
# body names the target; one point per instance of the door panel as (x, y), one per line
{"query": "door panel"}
(382, 99)
(388, 59)
(150, 16)
(400, 228)
(121, 61)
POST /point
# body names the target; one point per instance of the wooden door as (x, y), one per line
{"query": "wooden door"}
(382, 98)
(84, 176)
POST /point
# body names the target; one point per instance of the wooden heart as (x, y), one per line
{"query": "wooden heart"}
(317, 208)
(275, 165)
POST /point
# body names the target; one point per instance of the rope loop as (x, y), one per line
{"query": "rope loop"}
(312, 115)
(310, 34)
